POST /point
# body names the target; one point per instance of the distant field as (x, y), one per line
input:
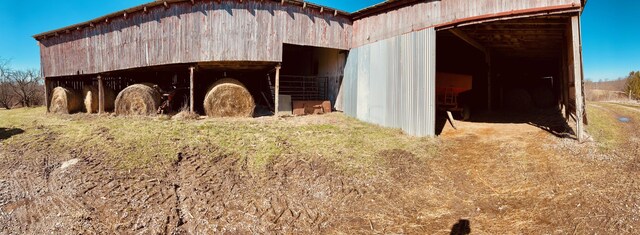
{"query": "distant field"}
(316, 174)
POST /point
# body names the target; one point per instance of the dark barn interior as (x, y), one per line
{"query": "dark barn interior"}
(516, 66)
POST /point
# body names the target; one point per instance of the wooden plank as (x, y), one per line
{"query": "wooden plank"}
(459, 33)
(451, 120)
(100, 95)
(488, 60)
(576, 48)
(250, 31)
(277, 99)
(191, 84)
(47, 87)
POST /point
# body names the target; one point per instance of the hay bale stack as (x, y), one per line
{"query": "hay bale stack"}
(228, 98)
(518, 100)
(138, 99)
(65, 101)
(90, 95)
(543, 97)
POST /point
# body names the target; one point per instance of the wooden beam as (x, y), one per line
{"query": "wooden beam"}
(191, 88)
(488, 61)
(576, 49)
(277, 99)
(100, 95)
(468, 39)
(565, 83)
(47, 99)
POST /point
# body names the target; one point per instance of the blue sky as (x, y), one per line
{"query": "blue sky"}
(610, 29)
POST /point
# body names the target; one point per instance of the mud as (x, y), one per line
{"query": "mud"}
(490, 178)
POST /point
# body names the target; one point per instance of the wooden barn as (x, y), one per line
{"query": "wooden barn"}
(379, 64)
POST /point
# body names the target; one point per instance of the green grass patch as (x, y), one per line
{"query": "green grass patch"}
(155, 142)
(605, 127)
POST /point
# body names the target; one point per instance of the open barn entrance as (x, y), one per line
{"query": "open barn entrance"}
(310, 78)
(506, 71)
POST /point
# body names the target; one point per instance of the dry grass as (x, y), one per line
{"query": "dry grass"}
(147, 141)
(502, 177)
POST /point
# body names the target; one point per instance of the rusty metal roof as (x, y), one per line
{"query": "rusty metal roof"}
(166, 3)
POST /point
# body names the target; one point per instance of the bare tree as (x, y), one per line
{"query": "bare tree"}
(6, 92)
(26, 85)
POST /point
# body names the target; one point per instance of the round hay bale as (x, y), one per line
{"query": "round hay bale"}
(90, 95)
(228, 98)
(543, 97)
(138, 99)
(518, 100)
(65, 101)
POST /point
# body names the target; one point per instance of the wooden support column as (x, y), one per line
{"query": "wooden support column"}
(47, 91)
(191, 88)
(576, 50)
(100, 95)
(565, 83)
(277, 99)
(488, 60)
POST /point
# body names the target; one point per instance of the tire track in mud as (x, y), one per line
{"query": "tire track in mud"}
(220, 194)
(198, 194)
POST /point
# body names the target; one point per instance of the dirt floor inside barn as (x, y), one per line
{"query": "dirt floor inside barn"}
(316, 174)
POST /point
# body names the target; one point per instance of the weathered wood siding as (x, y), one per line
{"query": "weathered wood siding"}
(437, 12)
(185, 33)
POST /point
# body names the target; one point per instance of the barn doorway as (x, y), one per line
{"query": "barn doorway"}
(311, 76)
(506, 71)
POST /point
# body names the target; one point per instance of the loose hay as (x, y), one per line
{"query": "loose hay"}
(65, 101)
(91, 101)
(138, 99)
(228, 98)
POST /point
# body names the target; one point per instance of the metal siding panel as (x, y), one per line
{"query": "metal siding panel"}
(395, 83)
(379, 63)
(363, 83)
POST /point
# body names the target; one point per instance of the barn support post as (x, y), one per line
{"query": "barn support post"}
(47, 99)
(100, 95)
(191, 89)
(277, 99)
(576, 48)
(565, 84)
(488, 60)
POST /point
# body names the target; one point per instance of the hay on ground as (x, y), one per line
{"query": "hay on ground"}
(90, 95)
(138, 99)
(65, 101)
(228, 98)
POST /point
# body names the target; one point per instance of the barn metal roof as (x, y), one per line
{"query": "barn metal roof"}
(166, 3)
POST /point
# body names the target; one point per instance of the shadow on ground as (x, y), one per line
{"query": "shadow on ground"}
(463, 227)
(6, 133)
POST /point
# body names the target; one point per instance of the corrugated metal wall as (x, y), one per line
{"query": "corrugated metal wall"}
(392, 83)
(185, 33)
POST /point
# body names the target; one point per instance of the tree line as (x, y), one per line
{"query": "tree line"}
(632, 86)
(20, 88)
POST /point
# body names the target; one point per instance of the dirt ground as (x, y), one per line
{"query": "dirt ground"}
(490, 176)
